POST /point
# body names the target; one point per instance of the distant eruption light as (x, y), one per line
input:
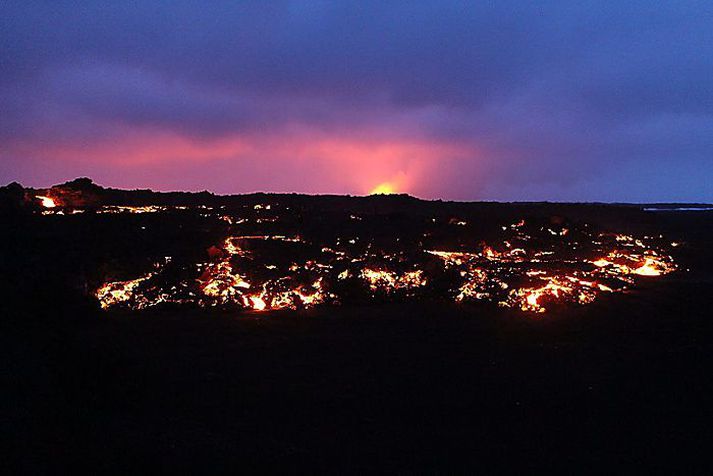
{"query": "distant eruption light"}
(385, 188)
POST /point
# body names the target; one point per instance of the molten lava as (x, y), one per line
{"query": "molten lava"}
(389, 281)
(47, 202)
(262, 265)
(651, 267)
(257, 303)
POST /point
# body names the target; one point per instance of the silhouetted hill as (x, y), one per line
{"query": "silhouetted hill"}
(83, 192)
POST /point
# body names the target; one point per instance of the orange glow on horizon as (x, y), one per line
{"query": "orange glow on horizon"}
(383, 189)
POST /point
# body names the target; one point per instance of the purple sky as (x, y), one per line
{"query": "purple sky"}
(575, 101)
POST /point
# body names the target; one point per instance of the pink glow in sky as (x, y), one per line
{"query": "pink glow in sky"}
(567, 101)
(310, 163)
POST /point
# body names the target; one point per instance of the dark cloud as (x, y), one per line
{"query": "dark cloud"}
(559, 100)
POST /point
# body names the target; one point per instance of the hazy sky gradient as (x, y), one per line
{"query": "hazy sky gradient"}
(576, 101)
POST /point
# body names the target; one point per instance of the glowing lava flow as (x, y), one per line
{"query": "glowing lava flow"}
(119, 292)
(647, 264)
(221, 285)
(651, 267)
(530, 299)
(531, 267)
(389, 281)
(219, 280)
(257, 303)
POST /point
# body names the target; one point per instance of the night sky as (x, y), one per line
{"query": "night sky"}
(564, 100)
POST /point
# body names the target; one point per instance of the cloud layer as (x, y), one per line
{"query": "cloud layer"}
(507, 101)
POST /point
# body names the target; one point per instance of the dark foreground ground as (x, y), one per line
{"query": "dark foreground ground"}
(622, 385)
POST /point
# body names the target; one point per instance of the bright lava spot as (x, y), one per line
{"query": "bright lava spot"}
(47, 202)
(600, 263)
(258, 303)
(649, 268)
